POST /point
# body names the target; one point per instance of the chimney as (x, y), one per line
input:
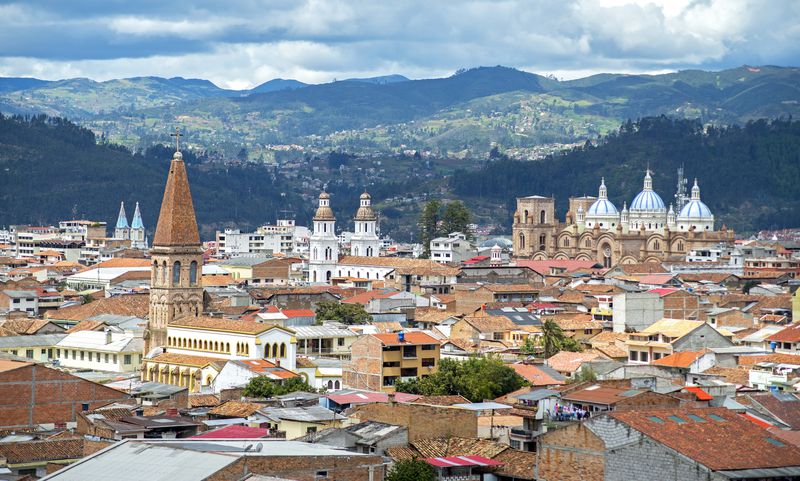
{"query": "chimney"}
(391, 398)
(108, 336)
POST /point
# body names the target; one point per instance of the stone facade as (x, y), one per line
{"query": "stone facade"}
(539, 235)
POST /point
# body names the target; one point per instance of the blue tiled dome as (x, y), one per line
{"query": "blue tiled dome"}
(647, 200)
(602, 207)
(695, 209)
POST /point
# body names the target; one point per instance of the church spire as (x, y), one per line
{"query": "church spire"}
(177, 225)
(137, 219)
(122, 218)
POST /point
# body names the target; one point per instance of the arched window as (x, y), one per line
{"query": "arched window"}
(656, 245)
(521, 240)
(194, 343)
(680, 246)
(328, 276)
(542, 239)
(283, 350)
(525, 219)
(176, 273)
(314, 277)
(542, 217)
(566, 241)
(336, 385)
(588, 243)
(330, 384)
(266, 351)
(164, 272)
(228, 347)
(169, 341)
(216, 346)
(193, 273)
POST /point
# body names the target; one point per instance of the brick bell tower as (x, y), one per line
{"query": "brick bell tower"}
(177, 258)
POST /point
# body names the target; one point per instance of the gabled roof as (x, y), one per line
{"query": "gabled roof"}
(679, 359)
(487, 323)
(539, 375)
(675, 328)
(365, 297)
(717, 438)
(789, 334)
(566, 361)
(597, 394)
(136, 305)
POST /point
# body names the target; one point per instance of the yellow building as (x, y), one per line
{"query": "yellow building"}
(380, 360)
(668, 336)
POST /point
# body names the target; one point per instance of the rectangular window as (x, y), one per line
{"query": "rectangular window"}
(58, 353)
(115, 358)
(98, 357)
(106, 358)
(127, 359)
(429, 347)
(428, 362)
(634, 355)
(82, 355)
(644, 357)
(74, 354)
(311, 429)
(29, 353)
(340, 341)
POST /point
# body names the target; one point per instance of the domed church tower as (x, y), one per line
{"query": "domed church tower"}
(323, 243)
(365, 240)
(177, 259)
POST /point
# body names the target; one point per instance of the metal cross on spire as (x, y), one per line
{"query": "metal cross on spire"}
(177, 136)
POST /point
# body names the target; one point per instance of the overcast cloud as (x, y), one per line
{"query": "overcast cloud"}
(242, 43)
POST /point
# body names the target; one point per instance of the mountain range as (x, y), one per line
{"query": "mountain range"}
(465, 114)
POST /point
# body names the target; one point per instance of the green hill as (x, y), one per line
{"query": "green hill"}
(749, 176)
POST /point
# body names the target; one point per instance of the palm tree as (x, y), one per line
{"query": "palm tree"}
(552, 338)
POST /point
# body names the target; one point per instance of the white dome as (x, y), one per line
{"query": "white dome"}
(695, 209)
(602, 207)
(647, 199)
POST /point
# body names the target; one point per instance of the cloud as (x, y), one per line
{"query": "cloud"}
(241, 43)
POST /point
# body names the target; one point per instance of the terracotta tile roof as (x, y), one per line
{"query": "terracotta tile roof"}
(365, 297)
(441, 400)
(714, 277)
(566, 361)
(611, 350)
(516, 464)
(137, 305)
(608, 337)
(414, 337)
(123, 262)
(675, 328)
(571, 297)
(579, 322)
(511, 288)
(187, 360)
(222, 324)
(734, 375)
(177, 225)
(786, 408)
(262, 366)
(38, 451)
(597, 394)
(776, 358)
(216, 280)
(789, 334)
(418, 266)
(598, 289)
(203, 400)
(732, 444)
(9, 365)
(432, 315)
(538, 375)
(236, 409)
(679, 359)
(487, 323)
(543, 267)
(642, 268)
(86, 326)
(24, 326)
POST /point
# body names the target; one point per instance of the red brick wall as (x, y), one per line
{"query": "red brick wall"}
(571, 454)
(365, 366)
(647, 400)
(303, 468)
(422, 421)
(36, 394)
(681, 305)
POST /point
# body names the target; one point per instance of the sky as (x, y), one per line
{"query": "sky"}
(239, 44)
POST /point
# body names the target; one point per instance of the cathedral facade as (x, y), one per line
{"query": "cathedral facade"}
(594, 229)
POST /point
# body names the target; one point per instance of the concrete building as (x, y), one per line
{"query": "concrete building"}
(453, 249)
(20, 301)
(379, 360)
(100, 351)
(668, 336)
(636, 311)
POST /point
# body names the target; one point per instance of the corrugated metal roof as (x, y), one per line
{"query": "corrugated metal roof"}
(39, 340)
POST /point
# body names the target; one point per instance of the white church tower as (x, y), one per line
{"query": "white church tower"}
(323, 243)
(365, 241)
(138, 239)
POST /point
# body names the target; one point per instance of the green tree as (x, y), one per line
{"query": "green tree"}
(411, 470)
(456, 218)
(477, 379)
(429, 225)
(554, 340)
(530, 347)
(264, 387)
(344, 313)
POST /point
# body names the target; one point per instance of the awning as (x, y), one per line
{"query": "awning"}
(455, 461)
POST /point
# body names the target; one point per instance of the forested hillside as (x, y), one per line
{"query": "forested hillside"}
(53, 169)
(749, 175)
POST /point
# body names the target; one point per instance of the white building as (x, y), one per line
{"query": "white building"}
(238, 373)
(231, 339)
(267, 239)
(365, 241)
(323, 244)
(21, 301)
(454, 248)
(100, 351)
(602, 213)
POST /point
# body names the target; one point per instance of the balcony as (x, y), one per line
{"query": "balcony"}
(519, 434)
